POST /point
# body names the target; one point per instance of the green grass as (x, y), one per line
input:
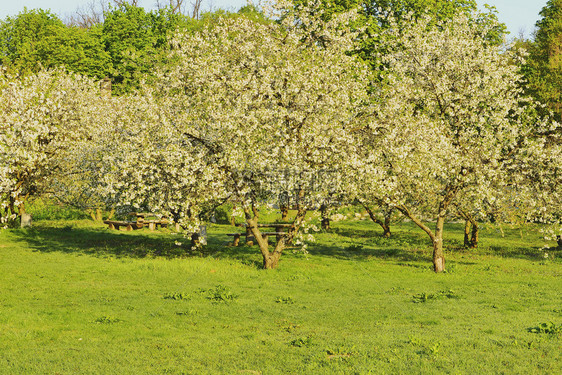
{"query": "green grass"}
(78, 298)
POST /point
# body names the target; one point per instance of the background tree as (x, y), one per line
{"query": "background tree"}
(89, 15)
(36, 39)
(544, 66)
(375, 17)
(136, 42)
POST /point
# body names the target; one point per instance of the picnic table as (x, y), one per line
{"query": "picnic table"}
(139, 223)
(278, 232)
(163, 222)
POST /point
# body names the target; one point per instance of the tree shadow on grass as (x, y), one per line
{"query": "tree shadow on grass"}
(366, 242)
(102, 242)
(339, 243)
(408, 243)
(95, 242)
(373, 236)
(367, 253)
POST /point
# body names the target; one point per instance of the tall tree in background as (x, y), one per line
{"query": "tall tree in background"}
(544, 67)
(136, 41)
(37, 38)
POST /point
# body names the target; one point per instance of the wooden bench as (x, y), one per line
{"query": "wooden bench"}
(138, 224)
(152, 224)
(236, 239)
(250, 237)
(129, 225)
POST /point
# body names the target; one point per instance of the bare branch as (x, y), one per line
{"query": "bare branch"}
(196, 9)
(89, 15)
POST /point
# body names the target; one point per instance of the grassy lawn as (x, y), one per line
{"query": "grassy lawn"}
(76, 298)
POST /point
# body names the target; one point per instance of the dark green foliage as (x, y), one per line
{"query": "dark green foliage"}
(37, 38)
(127, 47)
(223, 213)
(544, 64)
(46, 209)
(137, 42)
(375, 15)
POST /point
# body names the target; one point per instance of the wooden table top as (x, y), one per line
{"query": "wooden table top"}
(268, 225)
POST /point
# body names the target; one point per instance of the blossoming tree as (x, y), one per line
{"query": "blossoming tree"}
(265, 107)
(449, 118)
(42, 116)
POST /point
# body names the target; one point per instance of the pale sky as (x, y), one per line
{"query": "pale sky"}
(518, 15)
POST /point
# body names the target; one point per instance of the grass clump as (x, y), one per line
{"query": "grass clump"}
(221, 294)
(106, 319)
(424, 297)
(549, 328)
(300, 342)
(177, 296)
(285, 300)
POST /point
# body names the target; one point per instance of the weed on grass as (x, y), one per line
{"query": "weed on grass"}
(425, 348)
(189, 312)
(285, 300)
(300, 342)
(444, 294)
(549, 328)
(107, 320)
(340, 352)
(221, 294)
(177, 296)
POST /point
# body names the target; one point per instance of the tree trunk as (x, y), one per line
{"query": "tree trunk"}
(262, 243)
(438, 255)
(436, 237)
(271, 261)
(284, 212)
(25, 218)
(324, 215)
(385, 225)
(474, 235)
(467, 233)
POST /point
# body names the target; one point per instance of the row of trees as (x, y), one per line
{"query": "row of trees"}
(430, 121)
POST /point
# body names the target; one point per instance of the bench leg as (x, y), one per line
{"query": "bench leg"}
(250, 240)
(129, 228)
(151, 226)
(236, 241)
(111, 226)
